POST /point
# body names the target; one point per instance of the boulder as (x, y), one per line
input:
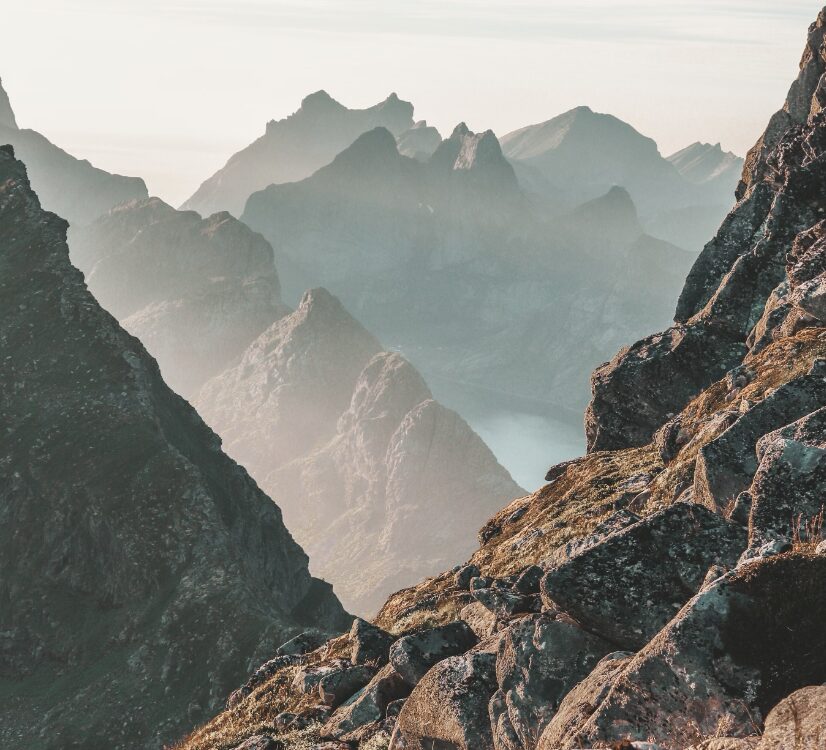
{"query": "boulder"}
(725, 466)
(582, 701)
(479, 618)
(449, 706)
(504, 603)
(413, 655)
(369, 644)
(787, 490)
(464, 576)
(648, 383)
(301, 644)
(741, 645)
(368, 705)
(307, 679)
(630, 584)
(529, 580)
(336, 687)
(797, 722)
(539, 661)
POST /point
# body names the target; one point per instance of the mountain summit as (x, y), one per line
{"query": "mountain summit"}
(7, 119)
(295, 147)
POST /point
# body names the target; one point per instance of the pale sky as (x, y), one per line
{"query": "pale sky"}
(168, 89)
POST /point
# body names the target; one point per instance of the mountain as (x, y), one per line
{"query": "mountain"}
(195, 291)
(70, 187)
(703, 163)
(586, 153)
(665, 590)
(295, 147)
(449, 261)
(142, 569)
(419, 142)
(380, 483)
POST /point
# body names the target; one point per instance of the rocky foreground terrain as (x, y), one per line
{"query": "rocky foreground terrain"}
(72, 188)
(667, 590)
(143, 572)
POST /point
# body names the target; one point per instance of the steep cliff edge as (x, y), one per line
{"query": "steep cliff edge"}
(668, 589)
(143, 570)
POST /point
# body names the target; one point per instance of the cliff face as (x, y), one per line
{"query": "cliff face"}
(667, 589)
(295, 147)
(142, 569)
(380, 483)
(72, 188)
(195, 291)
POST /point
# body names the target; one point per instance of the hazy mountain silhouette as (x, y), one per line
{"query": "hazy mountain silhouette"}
(70, 187)
(451, 262)
(195, 291)
(295, 147)
(381, 484)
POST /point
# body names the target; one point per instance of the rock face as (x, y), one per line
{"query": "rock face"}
(295, 147)
(381, 484)
(195, 291)
(627, 586)
(728, 288)
(142, 568)
(724, 661)
(797, 721)
(72, 188)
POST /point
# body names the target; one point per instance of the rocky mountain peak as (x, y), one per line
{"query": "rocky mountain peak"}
(320, 103)
(7, 119)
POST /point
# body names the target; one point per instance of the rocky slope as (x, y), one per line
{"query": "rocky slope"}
(72, 188)
(381, 484)
(449, 261)
(195, 291)
(295, 147)
(143, 570)
(666, 590)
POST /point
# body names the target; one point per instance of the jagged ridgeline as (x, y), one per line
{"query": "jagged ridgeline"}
(73, 188)
(667, 591)
(143, 571)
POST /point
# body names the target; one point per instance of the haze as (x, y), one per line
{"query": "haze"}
(169, 90)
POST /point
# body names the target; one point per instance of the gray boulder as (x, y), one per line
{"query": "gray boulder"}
(413, 655)
(725, 466)
(369, 644)
(367, 706)
(788, 487)
(797, 722)
(341, 684)
(449, 706)
(539, 661)
(727, 658)
(629, 585)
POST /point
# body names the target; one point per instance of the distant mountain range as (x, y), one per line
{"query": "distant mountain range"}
(294, 148)
(70, 187)
(449, 260)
